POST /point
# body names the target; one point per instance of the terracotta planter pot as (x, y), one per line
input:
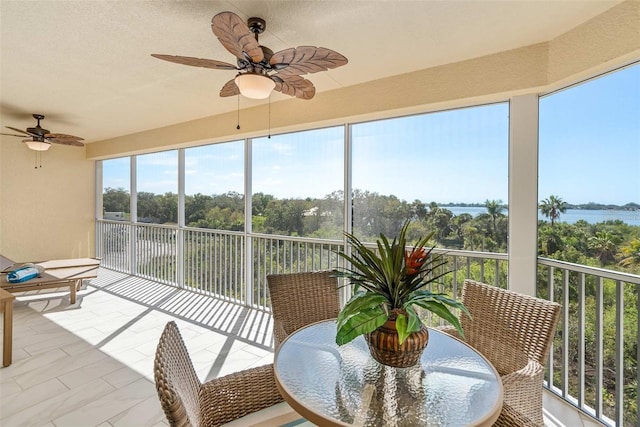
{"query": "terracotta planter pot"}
(385, 346)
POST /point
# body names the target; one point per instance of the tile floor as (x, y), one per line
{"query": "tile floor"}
(91, 364)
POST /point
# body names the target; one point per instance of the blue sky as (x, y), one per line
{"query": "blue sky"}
(590, 140)
(451, 156)
(589, 151)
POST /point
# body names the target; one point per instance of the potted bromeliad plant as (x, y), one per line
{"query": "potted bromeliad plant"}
(388, 286)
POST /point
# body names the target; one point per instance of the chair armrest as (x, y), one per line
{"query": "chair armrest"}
(531, 371)
(523, 391)
(279, 333)
(450, 330)
(235, 395)
(509, 417)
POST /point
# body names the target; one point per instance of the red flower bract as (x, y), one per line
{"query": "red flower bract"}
(414, 260)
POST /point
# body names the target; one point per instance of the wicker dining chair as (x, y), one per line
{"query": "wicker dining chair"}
(515, 332)
(509, 417)
(299, 299)
(187, 402)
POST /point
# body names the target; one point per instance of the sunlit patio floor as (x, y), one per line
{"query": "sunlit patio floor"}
(91, 363)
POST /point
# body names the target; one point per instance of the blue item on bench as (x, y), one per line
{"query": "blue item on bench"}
(23, 274)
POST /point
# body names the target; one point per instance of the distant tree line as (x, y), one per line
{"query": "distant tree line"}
(613, 244)
(373, 214)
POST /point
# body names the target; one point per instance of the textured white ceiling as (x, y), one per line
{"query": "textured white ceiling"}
(86, 65)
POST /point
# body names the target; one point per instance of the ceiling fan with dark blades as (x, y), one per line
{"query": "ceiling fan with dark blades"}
(40, 139)
(259, 69)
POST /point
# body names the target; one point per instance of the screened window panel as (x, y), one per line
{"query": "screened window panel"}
(416, 167)
(298, 181)
(157, 187)
(214, 186)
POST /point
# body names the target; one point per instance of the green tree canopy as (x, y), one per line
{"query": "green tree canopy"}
(115, 200)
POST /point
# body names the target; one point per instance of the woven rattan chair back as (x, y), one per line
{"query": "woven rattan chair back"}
(176, 381)
(299, 299)
(506, 323)
(189, 403)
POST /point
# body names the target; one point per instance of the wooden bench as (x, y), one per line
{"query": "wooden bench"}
(57, 274)
(6, 303)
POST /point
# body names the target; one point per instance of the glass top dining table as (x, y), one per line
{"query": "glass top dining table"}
(331, 385)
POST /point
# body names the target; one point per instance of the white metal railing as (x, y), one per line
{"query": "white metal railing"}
(592, 365)
(155, 251)
(589, 366)
(280, 254)
(215, 261)
(113, 245)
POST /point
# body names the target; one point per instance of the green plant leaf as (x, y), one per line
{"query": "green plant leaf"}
(343, 314)
(444, 298)
(361, 323)
(401, 327)
(413, 320)
(442, 311)
(424, 295)
(359, 302)
(406, 325)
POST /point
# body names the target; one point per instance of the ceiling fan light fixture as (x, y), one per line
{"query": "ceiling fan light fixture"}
(255, 86)
(37, 145)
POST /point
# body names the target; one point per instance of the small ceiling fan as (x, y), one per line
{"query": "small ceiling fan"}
(259, 69)
(40, 139)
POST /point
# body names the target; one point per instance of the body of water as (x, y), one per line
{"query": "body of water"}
(571, 215)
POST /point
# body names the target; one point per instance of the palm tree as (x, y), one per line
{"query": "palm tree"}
(494, 209)
(553, 207)
(550, 241)
(603, 246)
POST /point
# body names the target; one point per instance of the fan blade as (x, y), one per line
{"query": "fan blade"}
(294, 85)
(11, 134)
(196, 62)
(65, 141)
(306, 59)
(62, 136)
(235, 36)
(18, 130)
(230, 88)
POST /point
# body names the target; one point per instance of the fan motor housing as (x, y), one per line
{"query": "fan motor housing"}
(40, 131)
(256, 25)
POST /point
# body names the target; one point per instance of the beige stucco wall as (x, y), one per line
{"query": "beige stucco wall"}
(48, 212)
(610, 39)
(1, 186)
